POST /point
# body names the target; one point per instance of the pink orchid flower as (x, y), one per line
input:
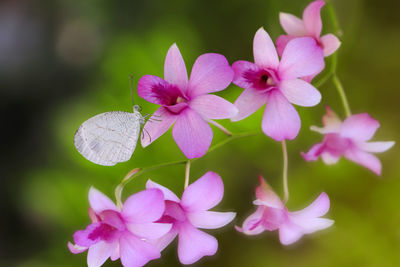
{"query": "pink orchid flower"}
(278, 84)
(349, 139)
(190, 213)
(187, 103)
(122, 233)
(271, 215)
(310, 26)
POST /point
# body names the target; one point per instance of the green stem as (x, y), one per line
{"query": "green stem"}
(285, 170)
(342, 94)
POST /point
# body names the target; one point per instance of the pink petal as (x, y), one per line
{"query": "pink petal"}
(330, 44)
(281, 120)
(205, 193)
(155, 90)
(331, 120)
(210, 73)
(252, 225)
(168, 194)
(149, 230)
(318, 208)
(312, 18)
(99, 253)
(311, 225)
(300, 93)
(75, 249)
(175, 69)
(115, 254)
(194, 244)
(249, 102)
(157, 125)
(289, 233)
(162, 242)
(213, 107)
(136, 252)
(210, 219)
(264, 50)
(301, 57)
(292, 24)
(376, 147)
(282, 42)
(144, 207)
(241, 69)
(359, 127)
(365, 159)
(99, 202)
(267, 196)
(314, 152)
(192, 134)
(329, 158)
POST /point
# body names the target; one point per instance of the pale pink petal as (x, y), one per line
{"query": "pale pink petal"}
(162, 242)
(136, 252)
(194, 244)
(249, 102)
(175, 69)
(311, 225)
(289, 233)
(213, 107)
(282, 41)
(144, 207)
(281, 120)
(149, 230)
(205, 193)
(292, 24)
(210, 73)
(376, 147)
(155, 90)
(312, 18)
(330, 43)
(113, 218)
(252, 225)
(318, 208)
(365, 159)
(314, 152)
(115, 254)
(157, 125)
(168, 194)
(267, 196)
(192, 134)
(264, 50)
(301, 57)
(75, 249)
(359, 127)
(99, 253)
(99, 202)
(331, 121)
(329, 159)
(300, 93)
(210, 219)
(241, 71)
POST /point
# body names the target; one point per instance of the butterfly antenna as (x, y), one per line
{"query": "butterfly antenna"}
(131, 85)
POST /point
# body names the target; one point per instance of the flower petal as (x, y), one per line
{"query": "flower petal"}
(194, 244)
(241, 68)
(99, 202)
(252, 225)
(300, 93)
(210, 219)
(376, 147)
(149, 230)
(168, 194)
(249, 102)
(203, 194)
(162, 242)
(318, 208)
(360, 127)
(314, 152)
(210, 73)
(330, 43)
(282, 41)
(301, 57)
(155, 90)
(266, 195)
(312, 18)
(292, 24)
(144, 207)
(213, 107)
(289, 233)
(136, 252)
(264, 50)
(157, 125)
(192, 134)
(365, 159)
(329, 158)
(281, 120)
(76, 249)
(99, 253)
(311, 225)
(175, 69)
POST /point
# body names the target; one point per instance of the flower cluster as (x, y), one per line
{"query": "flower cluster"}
(138, 230)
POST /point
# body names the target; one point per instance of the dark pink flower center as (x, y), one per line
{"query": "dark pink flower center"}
(336, 145)
(260, 79)
(102, 232)
(169, 94)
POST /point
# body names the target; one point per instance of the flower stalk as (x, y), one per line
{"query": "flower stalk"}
(285, 170)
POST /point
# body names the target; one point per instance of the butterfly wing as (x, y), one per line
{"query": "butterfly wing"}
(108, 138)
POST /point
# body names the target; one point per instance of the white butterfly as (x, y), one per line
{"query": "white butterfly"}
(109, 138)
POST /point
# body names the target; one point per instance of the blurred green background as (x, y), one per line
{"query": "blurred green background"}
(63, 61)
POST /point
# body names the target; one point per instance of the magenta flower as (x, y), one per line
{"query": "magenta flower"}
(349, 139)
(310, 26)
(271, 215)
(187, 103)
(122, 233)
(278, 84)
(190, 213)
